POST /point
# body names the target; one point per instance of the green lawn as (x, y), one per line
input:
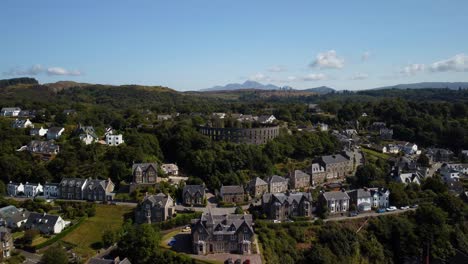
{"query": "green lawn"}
(375, 154)
(90, 232)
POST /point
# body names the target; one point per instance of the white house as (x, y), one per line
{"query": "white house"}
(408, 178)
(15, 189)
(10, 111)
(55, 132)
(460, 167)
(38, 132)
(46, 223)
(362, 198)
(12, 217)
(410, 149)
(322, 126)
(87, 138)
(380, 197)
(449, 174)
(51, 190)
(390, 148)
(32, 189)
(266, 119)
(170, 169)
(114, 140)
(22, 123)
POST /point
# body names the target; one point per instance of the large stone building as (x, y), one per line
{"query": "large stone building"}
(72, 188)
(282, 206)
(231, 233)
(99, 190)
(6, 244)
(193, 195)
(277, 184)
(155, 208)
(256, 136)
(331, 167)
(145, 173)
(299, 180)
(232, 194)
(335, 202)
(257, 187)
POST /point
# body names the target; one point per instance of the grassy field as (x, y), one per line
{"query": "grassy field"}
(108, 217)
(374, 154)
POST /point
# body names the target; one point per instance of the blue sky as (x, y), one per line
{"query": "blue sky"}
(190, 45)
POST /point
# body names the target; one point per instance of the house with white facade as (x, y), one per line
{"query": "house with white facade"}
(114, 140)
(335, 202)
(361, 198)
(46, 223)
(22, 123)
(266, 119)
(10, 111)
(410, 149)
(380, 197)
(55, 132)
(449, 174)
(51, 190)
(170, 169)
(32, 189)
(15, 189)
(12, 217)
(38, 132)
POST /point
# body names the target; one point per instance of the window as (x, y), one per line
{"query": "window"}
(233, 237)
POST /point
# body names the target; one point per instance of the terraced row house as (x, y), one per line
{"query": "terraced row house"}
(282, 206)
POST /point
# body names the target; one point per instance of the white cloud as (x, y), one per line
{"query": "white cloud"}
(360, 76)
(412, 69)
(315, 77)
(33, 70)
(457, 63)
(366, 55)
(62, 71)
(327, 60)
(277, 68)
(259, 77)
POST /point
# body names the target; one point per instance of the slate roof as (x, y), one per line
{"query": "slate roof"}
(192, 189)
(257, 182)
(158, 199)
(19, 123)
(338, 195)
(54, 130)
(38, 146)
(42, 222)
(12, 214)
(276, 179)
(95, 184)
(227, 224)
(144, 166)
(333, 159)
(360, 193)
(77, 182)
(287, 197)
(298, 174)
(232, 189)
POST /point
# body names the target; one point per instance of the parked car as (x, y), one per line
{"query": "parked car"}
(187, 229)
(414, 206)
(353, 213)
(404, 208)
(380, 210)
(171, 242)
(277, 221)
(391, 208)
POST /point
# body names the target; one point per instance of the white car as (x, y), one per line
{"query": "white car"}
(404, 208)
(391, 208)
(277, 221)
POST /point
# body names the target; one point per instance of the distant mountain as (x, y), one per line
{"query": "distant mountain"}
(245, 85)
(320, 90)
(422, 85)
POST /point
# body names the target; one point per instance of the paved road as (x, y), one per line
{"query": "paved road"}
(370, 214)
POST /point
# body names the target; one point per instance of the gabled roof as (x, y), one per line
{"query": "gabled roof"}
(232, 189)
(333, 159)
(144, 166)
(192, 189)
(44, 222)
(160, 199)
(257, 182)
(298, 174)
(289, 197)
(276, 179)
(77, 182)
(55, 130)
(226, 224)
(360, 193)
(338, 195)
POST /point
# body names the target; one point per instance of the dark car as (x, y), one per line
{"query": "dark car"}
(353, 213)
(381, 210)
(229, 261)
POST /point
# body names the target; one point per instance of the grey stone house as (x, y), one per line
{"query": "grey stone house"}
(257, 187)
(6, 244)
(193, 195)
(299, 180)
(155, 208)
(99, 190)
(335, 202)
(277, 184)
(282, 206)
(72, 188)
(230, 233)
(145, 173)
(232, 194)
(335, 166)
(361, 198)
